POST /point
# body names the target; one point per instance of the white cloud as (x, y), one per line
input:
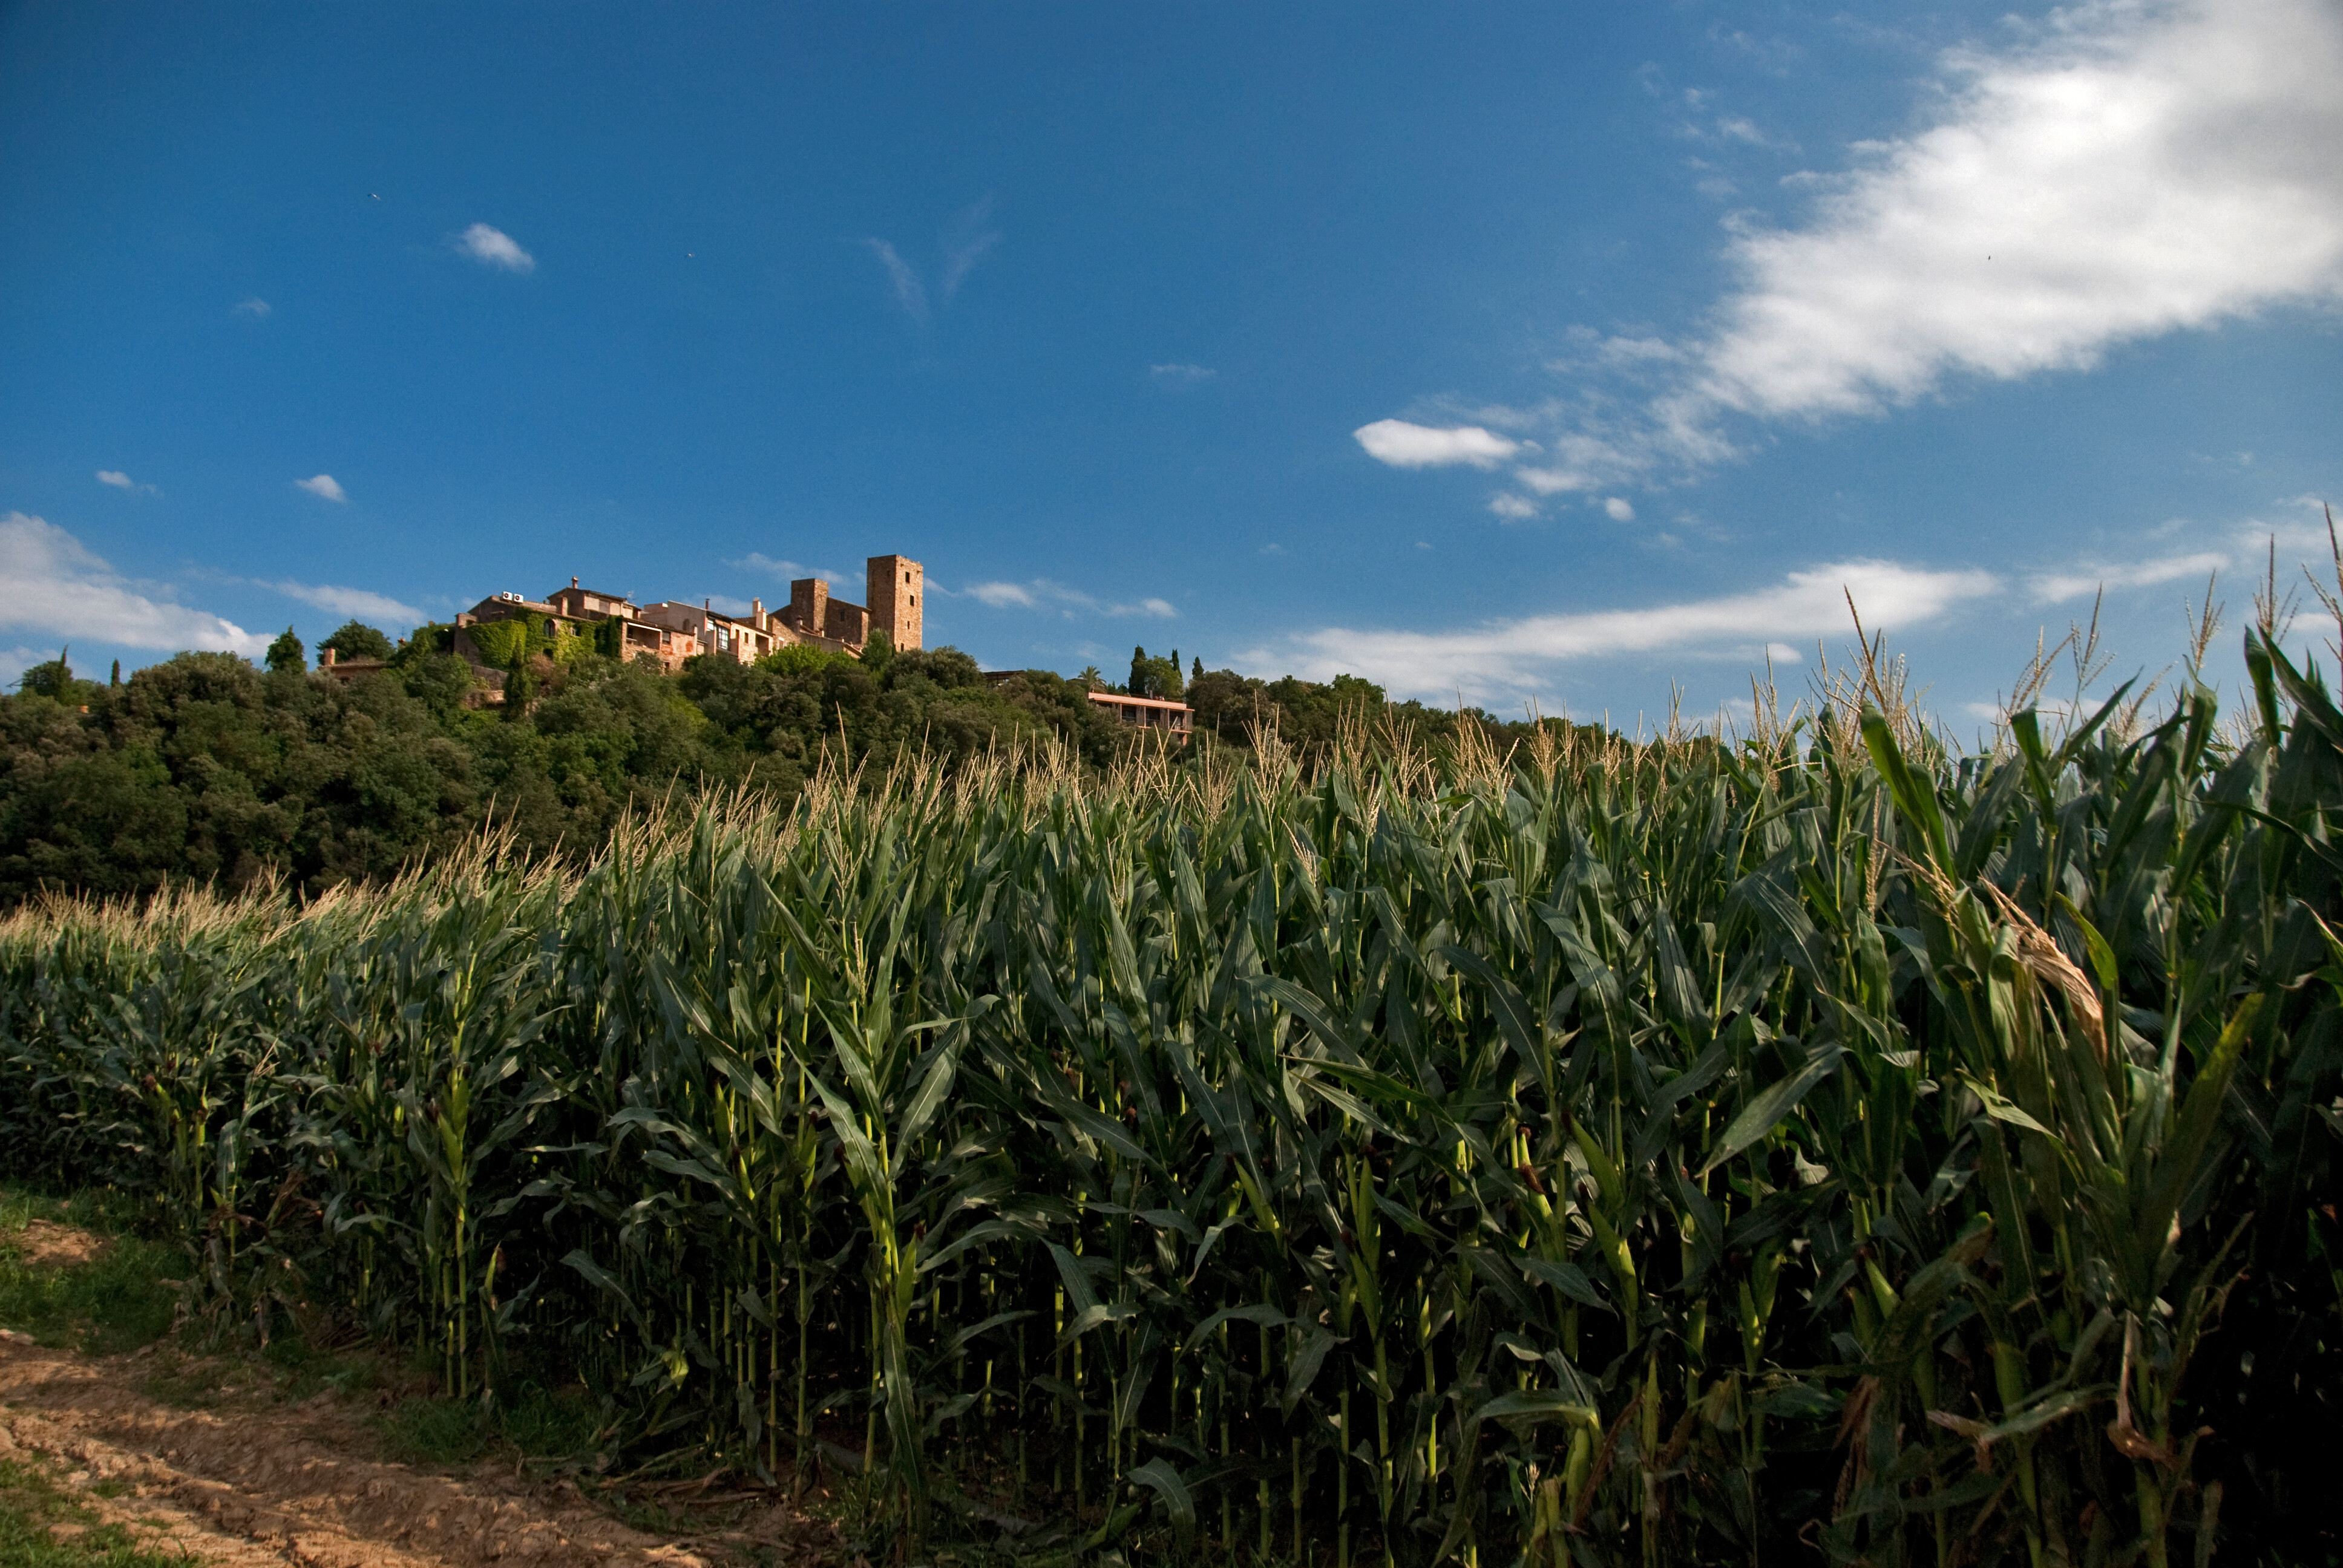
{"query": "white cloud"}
(970, 236)
(909, 292)
(50, 583)
(358, 604)
(1181, 375)
(1405, 446)
(1516, 654)
(2126, 169)
(2057, 587)
(122, 481)
(1003, 596)
(1618, 510)
(495, 247)
(1512, 509)
(2136, 169)
(1041, 593)
(787, 571)
(324, 487)
(1554, 481)
(254, 306)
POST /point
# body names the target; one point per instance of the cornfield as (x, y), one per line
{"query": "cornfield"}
(1819, 1145)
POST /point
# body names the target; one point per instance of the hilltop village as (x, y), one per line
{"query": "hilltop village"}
(494, 634)
(497, 634)
(670, 632)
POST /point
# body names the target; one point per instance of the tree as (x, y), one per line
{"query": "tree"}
(357, 641)
(1156, 678)
(1091, 678)
(53, 678)
(1196, 674)
(878, 653)
(287, 654)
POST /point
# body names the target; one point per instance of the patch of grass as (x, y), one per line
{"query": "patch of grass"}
(189, 1385)
(551, 1423)
(650, 1518)
(122, 1299)
(301, 1369)
(534, 1423)
(438, 1431)
(41, 1527)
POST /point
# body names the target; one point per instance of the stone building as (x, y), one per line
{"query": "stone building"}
(743, 638)
(671, 631)
(893, 585)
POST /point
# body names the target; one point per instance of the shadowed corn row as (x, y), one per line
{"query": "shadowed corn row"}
(1818, 1145)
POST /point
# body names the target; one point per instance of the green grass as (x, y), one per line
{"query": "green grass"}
(194, 1385)
(536, 1423)
(41, 1527)
(123, 1299)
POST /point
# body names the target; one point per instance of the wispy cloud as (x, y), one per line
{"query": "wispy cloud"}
(1517, 656)
(122, 481)
(1617, 509)
(1041, 594)
(1512, 509)
(787, 571)
(2057, 587)
(49, 583)
(2126, 169)
(324, 487)
(1181, 375)
(254, 306)
(909, 292)
(1405, 446)
(965, 242)
(494, 247)
(359, 604)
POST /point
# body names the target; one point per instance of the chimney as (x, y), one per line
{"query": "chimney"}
(757, 612)
(325, 659)
(573, 582)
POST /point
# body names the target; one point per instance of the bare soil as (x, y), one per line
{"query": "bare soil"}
(46, 1245)
(247, 1481)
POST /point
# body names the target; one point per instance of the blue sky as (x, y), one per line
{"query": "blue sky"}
(1572, 354)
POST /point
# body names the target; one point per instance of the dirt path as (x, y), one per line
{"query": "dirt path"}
(306, 1484)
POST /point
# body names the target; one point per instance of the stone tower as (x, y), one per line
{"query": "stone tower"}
(810, 606)
(894, 588)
